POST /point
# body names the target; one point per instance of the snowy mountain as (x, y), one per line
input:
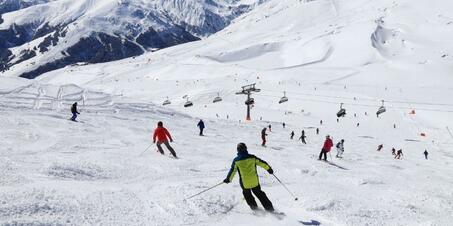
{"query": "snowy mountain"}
(40, 36)
(358, 54)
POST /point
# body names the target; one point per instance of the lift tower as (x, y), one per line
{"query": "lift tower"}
(248, 90)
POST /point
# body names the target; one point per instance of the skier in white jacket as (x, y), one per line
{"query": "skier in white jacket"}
(340, 148)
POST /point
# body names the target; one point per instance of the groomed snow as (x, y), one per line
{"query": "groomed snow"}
(322, 53)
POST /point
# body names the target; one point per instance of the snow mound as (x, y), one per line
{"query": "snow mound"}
(278, 55)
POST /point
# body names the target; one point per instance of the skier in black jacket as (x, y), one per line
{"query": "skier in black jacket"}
(74, 112)
(263, 137)
(201, 127)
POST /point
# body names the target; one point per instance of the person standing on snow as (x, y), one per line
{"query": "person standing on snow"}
(426, 154)
(201, 127)
(284, 125)
(393, 151)
(340, 148)
(317, 131)
(328, 143)
(270, 130)
(379, 147)
(399, 154)
(245, 164)
(162, 135)
(302, 137)
(263, 137)
(74, 112)
(292, 134)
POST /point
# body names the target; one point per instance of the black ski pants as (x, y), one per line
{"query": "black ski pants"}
(201, 131)
(267, 204)
(159, 147)
(323, 152)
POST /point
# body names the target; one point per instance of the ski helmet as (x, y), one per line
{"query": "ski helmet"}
(241, 147)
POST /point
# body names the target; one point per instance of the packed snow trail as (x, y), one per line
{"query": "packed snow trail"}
(356, 52)
(55, 171)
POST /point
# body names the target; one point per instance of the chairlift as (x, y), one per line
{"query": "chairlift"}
(166, 102)
(217, 98)
(341, 112)
(381, 109)
(250, 101)
(188, 103)
(283, 99)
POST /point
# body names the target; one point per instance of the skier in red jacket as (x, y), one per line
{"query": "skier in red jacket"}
(328, 144)
(161, 133)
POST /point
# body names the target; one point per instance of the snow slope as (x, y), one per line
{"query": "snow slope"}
(322, 53)
(51, 35)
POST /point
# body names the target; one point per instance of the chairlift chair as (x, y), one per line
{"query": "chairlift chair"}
(217, 98)
(341, 112)
(188, 103)
(166, 102)
(381, 109)
(283, 99)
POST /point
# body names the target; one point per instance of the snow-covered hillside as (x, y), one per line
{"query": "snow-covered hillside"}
(48, 35)
(320, 53)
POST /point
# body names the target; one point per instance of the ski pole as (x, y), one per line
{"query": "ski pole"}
(207, 189)
(145, 150)
(295, 198)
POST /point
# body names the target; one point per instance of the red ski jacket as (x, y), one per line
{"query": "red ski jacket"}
(328, 144)
(161, 133)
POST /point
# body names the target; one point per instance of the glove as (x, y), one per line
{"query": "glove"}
(171, 140)
(270, 171)
(226, 181)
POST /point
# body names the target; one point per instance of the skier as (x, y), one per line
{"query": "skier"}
(358, 124)
(340, 148)
(161, 133)
(393, 151)
(328, 143)
(201, 127)
(292, 134)
(317, 131)
(263, 136)
(302, 137)
(399, 154)
(74, 112)
(284, 125)
(394, 126)
(379, 147)
(245, 164)
(320, 122)
(426, 154)
(270, 130)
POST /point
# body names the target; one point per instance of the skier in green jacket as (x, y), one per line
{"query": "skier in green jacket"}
(245, 164)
